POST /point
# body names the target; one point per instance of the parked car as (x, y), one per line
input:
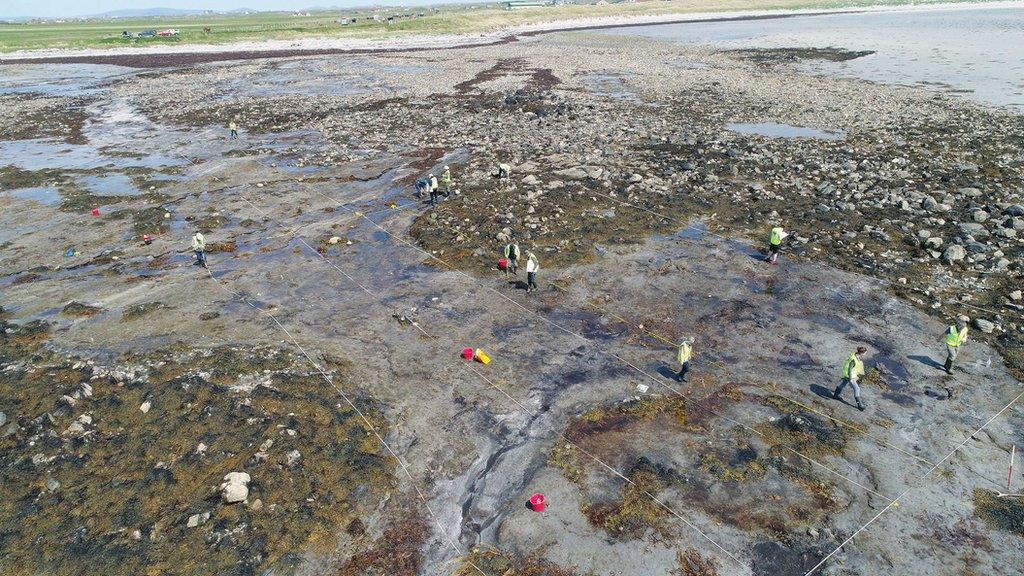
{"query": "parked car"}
(147, 34)
(169, 32)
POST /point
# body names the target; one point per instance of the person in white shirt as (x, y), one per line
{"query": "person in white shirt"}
(199, 247)
(532, 266)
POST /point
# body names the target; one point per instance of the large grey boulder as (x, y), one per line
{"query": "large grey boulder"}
(973, 229)
(954, 253)
(984, 325)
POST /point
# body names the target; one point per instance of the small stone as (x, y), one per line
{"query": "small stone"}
(233, 493)
(1016, 296)
(235, 487)
(984, 325)
(954, 253)
(292, 458)
(974, 230)
(52, 484)
(334, 240)
(201, 448)
(197, 519)
(3, 417)
(136, 535)
(979, 216)
(146, 406)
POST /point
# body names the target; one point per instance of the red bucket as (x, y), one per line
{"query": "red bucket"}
(502, 264)
(467, 353)
(537, 502)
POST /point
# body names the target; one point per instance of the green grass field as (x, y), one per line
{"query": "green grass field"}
(442, 20)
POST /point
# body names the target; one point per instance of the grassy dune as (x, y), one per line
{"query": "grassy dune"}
(440, 20)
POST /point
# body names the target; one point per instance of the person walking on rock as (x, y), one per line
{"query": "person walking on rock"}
(954, 336)
(199, 247)
(532, 266)
(853, 369)
(775, 243)
(433, 188)
(233, 126)
(685, 351)
(446, 181)
(512, 258)
(422, 185)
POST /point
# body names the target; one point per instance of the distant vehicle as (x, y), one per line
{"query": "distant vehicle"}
(169, 32)
(147, 34)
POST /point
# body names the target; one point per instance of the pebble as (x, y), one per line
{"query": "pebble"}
(3, 417)
(146, 406)
(954, 253)
(984, 325)
(235, 487)
(197, 520)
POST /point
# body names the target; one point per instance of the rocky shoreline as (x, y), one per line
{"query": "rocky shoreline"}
(163, 404)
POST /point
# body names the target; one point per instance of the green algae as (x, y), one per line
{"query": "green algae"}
(1006, 514)
(137, 311)
(722, 480)
(397, 552)
(635, 511)
(75, 308)
(692, 563)
(130, 481)
(496, 562)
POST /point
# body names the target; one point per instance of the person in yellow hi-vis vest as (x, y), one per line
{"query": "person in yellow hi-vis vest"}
(853, 369)
(685, 351)
(775, 243)
(446, 181)
(512, 258)
(954, 336)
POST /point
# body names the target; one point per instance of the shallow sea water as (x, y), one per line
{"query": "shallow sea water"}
(977, 52)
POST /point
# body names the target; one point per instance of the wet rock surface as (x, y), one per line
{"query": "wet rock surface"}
(329, 282)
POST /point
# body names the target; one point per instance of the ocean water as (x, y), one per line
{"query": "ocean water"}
(976, 52)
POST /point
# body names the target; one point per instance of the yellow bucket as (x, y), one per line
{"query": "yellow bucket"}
(481, 357)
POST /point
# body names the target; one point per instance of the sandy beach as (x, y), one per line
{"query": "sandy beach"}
(196, 52)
